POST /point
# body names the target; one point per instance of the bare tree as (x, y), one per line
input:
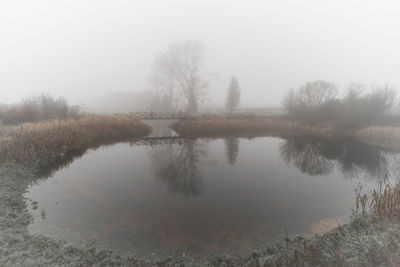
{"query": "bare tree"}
(233, 95)
(178, 72)
(306, 102)
(316, 93)
(163, 82)
(292, 103)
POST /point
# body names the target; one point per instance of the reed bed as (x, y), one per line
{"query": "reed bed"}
(382, 136)
(214, 126)
(377, 133)
(382, 202)
(51, 140)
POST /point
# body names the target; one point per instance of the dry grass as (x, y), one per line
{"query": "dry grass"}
(218, 125)
(383, 136)
(51, 140)
(383, 202)
(38, 108)
(380, 133)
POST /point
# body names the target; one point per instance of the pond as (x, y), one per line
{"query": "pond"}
(166, 197)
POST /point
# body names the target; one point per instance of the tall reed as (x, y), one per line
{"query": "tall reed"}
(380, 133)
(50, 140)
(382, 202)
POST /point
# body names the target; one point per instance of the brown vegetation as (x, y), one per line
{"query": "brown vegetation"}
(389, 133)
(50, 140)
(38, 108)
(383, 202)
(218, 126)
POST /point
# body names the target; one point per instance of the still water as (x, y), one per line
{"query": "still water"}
(203, 196)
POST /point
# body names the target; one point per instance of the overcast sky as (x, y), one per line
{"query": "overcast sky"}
(88, 48)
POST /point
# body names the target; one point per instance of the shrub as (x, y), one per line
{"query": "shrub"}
(38, 108)
(316, 102)
(306, 102)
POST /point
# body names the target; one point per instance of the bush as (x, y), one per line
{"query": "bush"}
(316, 102)
(38, 108)
(306, 102)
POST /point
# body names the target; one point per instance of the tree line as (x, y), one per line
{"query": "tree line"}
(179, 81)
(38, 108)
(319, 102)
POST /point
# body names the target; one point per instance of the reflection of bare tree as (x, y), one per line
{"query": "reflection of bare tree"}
(317, 156)
(305, 156)
(358, 158)
(232, 149)
(176, 165)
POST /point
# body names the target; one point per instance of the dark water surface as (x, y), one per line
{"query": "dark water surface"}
(204, 196)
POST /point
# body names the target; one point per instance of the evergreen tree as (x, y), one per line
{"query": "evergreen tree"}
(233, 95)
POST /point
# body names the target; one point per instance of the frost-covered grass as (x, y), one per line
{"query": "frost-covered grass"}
(365, 241)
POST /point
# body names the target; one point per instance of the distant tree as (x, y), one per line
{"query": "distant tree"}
(361, 109)
(316, 93)
(38, 108)
(233, 95)
(178, 73)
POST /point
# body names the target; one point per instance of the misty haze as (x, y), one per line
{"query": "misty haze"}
(199, 133)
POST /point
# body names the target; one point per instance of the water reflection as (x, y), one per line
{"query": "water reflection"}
(176, 166)
(306, 156)
(48, 170)
(172, 195)
(317, 156)
(175, 160)
(232, 149)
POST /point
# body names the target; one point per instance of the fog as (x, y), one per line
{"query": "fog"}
(89, 50)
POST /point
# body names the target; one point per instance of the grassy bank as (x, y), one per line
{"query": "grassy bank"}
(388, 136)
(51, 140)
(222, 126)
